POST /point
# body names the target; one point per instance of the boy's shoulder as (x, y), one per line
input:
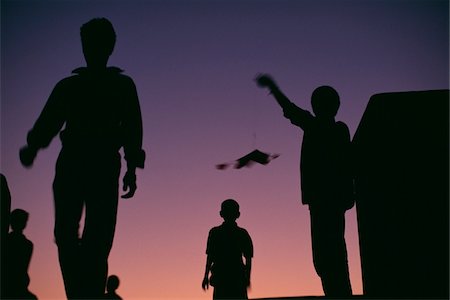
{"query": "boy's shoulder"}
(342, 127)
(341, 124)
(224, 227)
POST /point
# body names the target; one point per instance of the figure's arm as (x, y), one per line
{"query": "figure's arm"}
(248, 270)
(295, 114)
(47, 126)
(132, 135)
(205, 282)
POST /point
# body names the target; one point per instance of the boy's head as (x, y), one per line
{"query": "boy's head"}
(113, 283)
(18, 219)
(229, 210)
(98, 39)
(325, 102)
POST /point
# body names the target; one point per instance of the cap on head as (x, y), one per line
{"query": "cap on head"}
(325, 101)
(229, 210)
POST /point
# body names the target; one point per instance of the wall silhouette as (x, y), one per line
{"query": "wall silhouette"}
(402, 194)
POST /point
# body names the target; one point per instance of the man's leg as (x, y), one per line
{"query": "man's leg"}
(68, 211)
(98, 233)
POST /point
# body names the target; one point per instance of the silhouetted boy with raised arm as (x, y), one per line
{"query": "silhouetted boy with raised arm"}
(226, 246)
(98, 111)
(326, 181)
(19, 250)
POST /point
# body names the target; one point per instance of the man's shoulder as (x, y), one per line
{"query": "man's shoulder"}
(79, 76)
(67, 80)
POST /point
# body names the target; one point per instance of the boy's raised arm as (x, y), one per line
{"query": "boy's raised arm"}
(295, 114)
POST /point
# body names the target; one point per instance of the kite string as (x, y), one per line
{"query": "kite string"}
(255, 121)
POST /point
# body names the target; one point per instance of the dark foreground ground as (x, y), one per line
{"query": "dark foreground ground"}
(360, 297)
(306, 298)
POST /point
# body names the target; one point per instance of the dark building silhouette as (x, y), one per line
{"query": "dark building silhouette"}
(227, 245)
(401, 150)
(18, 256)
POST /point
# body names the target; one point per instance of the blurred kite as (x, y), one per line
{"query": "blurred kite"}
(249, 159)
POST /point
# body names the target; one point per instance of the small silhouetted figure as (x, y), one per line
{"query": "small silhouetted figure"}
(96, 112)
(111, 286)
(326, 181)
(5, 205)
(19, 252)
(227, 245)
(5, 199)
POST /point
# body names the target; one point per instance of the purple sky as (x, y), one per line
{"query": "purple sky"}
(193, 63)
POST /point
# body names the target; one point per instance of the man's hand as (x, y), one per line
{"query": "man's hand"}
(205, 283)
(27, 155)
(129, 183)
(265, 80)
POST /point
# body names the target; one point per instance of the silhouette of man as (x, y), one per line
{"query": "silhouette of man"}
(5, 199)
(226, 246)
(100, 109)
(5, 206)
(19, 251)
(326, 181)
(111, 286)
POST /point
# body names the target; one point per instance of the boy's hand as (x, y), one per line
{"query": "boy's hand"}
(27, 156)
(129, 183)
(264, 80)
(205, 283)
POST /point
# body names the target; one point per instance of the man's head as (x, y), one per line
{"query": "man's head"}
(98, 39)
(229, 210)
(325, 102)
(18, 219)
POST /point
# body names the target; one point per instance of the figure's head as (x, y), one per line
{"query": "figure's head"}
(112, 283)
(229, 210)
(98, 39)
(18, 219)
(325, 102)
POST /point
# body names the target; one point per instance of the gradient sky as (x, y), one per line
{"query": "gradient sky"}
(193, 63)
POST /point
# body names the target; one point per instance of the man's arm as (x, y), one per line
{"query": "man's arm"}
(295, 114)
(205, 282)
(47, 126)
(132, 136)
